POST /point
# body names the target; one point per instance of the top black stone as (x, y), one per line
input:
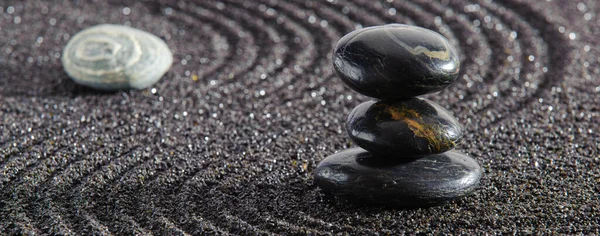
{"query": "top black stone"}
(395, 61)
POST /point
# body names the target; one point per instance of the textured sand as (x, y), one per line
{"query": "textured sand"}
(226, 142)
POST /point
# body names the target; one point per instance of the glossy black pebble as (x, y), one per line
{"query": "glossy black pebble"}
(403, 128)
(359, 175)
(395, 61)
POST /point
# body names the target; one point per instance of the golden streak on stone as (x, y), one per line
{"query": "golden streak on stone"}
(416, 124)
(425, 131)
(442, 55)
(400, 113)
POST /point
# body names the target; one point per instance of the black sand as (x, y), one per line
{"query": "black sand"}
(226, 142)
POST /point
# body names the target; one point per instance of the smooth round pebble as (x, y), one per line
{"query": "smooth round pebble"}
(403, 128)
(430, 180)
(116, 57)
(395, 61)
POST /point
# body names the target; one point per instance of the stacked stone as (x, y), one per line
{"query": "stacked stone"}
(405, 157)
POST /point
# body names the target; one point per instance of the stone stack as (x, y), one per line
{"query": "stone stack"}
(405, 157)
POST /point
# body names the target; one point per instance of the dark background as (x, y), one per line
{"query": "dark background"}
(227, 141)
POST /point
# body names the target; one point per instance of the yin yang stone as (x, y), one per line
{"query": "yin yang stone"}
(115, 57)
(357, 174)
(395, 61)
(403, 128)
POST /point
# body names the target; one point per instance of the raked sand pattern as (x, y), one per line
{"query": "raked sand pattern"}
(226, 143)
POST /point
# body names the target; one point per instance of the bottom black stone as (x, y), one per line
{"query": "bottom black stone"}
(426, 181)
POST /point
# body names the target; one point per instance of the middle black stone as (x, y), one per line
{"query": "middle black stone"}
(404, 128)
